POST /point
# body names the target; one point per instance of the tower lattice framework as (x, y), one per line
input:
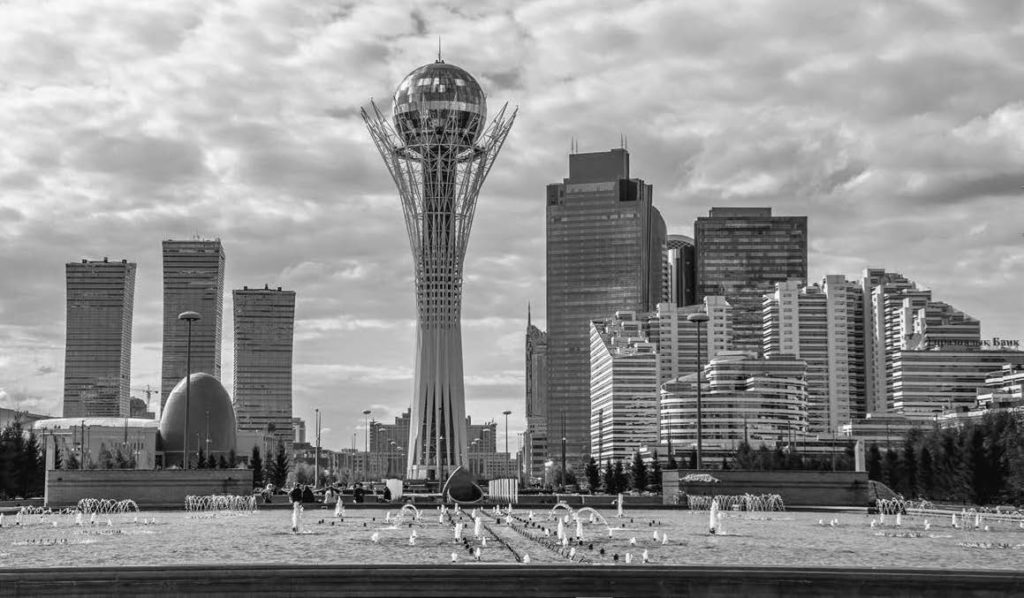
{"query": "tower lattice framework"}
(439, 173)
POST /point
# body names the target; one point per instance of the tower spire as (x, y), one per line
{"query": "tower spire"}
(439, 50)
(529, 319)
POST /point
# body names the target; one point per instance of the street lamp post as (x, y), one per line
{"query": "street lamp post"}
(506, 413)
(207, 434)
(316, 456)
(366, 443)
(563, 452)
(189, 317)
(698, 319)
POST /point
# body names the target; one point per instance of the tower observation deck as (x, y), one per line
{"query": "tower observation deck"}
(439, 149)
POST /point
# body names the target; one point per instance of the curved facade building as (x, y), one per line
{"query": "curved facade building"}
(762, 400)
(438, 150)
(211, 420)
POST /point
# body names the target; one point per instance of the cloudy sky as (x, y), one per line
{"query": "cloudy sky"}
(895, 126)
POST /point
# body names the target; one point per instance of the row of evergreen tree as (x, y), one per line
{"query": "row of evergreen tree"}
(22, 468)
(273, 472)
(614, 477)
(979, 463)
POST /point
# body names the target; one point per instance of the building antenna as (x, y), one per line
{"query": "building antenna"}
(625, 142)
(439, 50)
(529, 318)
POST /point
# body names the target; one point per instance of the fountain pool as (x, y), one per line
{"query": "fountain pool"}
(793, 539)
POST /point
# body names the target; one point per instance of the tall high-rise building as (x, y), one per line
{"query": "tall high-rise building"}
(681, 277)
(795, 325)
(624, 399)
(845, 325)
(741, 254)
(98, 352)
(535, 439)
(438, 152)
(264, 327)
(605, 253)
(193, 281)
(876, 283)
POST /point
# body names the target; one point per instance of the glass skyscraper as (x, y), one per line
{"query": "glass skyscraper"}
(264, 325)
(98, 352)
(193, 281)
(605, 252)
(741, 254)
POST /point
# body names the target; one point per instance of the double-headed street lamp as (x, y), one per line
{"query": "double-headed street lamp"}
(366, 443)
(699, 318)
(188, 317)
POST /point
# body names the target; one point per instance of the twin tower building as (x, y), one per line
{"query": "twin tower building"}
(100, 306)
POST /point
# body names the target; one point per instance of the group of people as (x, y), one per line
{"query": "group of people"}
(303, 493)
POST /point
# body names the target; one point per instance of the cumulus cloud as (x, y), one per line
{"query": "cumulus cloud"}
(893, 126)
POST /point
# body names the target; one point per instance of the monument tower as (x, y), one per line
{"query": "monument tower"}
(438, 150)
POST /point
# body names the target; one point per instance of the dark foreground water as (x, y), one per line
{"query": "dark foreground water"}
(758, 539)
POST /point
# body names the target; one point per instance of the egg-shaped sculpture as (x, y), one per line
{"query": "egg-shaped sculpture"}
(211, 420)
(440, 104)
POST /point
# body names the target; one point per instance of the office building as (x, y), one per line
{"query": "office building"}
(928, 383)
(535, 439)
(741, 254)
(264, 327)
(98, 350)
(605, 248)
(680, 259)
(624, 395)
(193, 281)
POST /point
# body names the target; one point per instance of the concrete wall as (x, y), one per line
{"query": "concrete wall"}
(797, 488)
(155, 488)
(648, 581)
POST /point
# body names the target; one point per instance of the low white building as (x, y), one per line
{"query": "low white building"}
(98, 442)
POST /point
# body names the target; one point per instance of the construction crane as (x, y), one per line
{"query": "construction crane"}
(149, 393)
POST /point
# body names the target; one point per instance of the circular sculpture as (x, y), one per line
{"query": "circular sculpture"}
(438, 99)
(211, 420)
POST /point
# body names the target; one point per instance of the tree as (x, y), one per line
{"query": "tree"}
(744, 456)
(106, 457)
(908, 468)
(34, 474)
(874, 463)
(638, 473)
(672, 464)
(593, 473)
(120, 460)
(211, 461)
(610, 485)
(621, 477)
(925, 473)
(693, 459)
(278, 470)
(232, 458)
(655, 475)
(222, 463)
(256, 465)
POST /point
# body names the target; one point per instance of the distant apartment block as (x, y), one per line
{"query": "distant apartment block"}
(97, 357)
(193, 281)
